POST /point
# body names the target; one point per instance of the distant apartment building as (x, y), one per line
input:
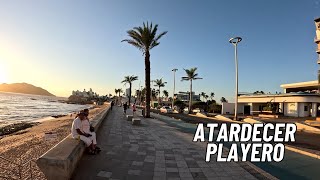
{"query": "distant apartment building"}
(127, 93)
(84, 93)
(185, 96)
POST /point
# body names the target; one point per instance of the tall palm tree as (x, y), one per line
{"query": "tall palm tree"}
(159, 84)
(145, 38)
(212, 95)
(129, 80)
(191, 76)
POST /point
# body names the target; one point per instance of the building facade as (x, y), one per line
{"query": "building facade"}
(185, 96)
(299, 99)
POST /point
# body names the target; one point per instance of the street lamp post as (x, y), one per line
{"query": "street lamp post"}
(235, 42)
(174, 85)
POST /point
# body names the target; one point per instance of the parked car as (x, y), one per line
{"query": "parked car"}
(197, 110)
(166, 109)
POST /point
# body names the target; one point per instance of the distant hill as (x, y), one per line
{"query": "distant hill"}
(24, 88)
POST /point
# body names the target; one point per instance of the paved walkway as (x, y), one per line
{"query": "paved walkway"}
(152, 150)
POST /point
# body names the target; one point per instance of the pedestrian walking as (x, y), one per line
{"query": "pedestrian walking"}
(112, 104)
(134, 108)
(125, 107)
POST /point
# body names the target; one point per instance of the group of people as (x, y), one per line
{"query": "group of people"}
(81, 129)
(126, 106)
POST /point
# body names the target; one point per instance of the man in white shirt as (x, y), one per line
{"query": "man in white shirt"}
(78, 133)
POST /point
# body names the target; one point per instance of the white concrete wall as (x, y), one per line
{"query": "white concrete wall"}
(263, 99)
(314, 110)
(301, 111)
(228, 108)
(291, 109)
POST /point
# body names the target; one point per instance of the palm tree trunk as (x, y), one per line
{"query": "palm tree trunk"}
(190, 96)
(130, 93)
(147, 73)
(159, 95)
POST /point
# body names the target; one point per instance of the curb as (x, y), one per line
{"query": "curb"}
(290, 148)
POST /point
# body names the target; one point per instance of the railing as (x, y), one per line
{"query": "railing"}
(22, 171)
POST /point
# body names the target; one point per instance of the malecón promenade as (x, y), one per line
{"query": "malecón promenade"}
(155, 150)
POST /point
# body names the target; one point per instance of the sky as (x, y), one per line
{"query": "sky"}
(68, 45)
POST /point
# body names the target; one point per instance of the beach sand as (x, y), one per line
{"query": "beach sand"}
(30, 143)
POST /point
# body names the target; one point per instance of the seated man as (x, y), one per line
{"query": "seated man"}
(78, 132)
(87, 128)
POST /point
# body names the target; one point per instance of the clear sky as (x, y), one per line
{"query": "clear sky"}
(68, 45)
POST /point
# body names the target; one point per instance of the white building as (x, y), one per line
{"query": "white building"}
(127, 93)
(184, 96)
(299, 100)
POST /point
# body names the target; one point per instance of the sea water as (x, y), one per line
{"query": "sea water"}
(16, 107)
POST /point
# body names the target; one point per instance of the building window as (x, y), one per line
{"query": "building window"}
(305, 108)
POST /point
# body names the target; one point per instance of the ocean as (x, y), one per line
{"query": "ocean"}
(16, 107)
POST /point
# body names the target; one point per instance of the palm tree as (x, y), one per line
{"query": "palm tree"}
(206, 97)
(212, 95)
(191, 76)
(159, 83)
(118, 91)
(165, 93)
(129, 80)
(203, 95)
(223, 99)
(145, 38)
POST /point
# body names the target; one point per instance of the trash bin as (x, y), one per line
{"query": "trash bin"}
(143, 112)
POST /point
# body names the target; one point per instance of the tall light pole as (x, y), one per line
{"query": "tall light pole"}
(235, 42)
(174, 85)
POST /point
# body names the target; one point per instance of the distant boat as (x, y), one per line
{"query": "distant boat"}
(33, 99)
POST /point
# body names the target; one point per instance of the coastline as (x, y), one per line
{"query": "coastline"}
(30, 143)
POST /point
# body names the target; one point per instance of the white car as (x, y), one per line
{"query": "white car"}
(166, 109)
(197, 110)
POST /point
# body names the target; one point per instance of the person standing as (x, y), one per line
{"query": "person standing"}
(112, 104)
(134, 108)
(125, 107)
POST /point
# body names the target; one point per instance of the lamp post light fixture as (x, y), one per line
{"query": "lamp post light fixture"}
(235, 42)
(174, 85)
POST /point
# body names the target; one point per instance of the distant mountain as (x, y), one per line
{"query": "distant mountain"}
(24, 88)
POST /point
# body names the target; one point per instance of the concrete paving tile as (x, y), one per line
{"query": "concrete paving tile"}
(159, 178)
(185, 174)
(134, 172)
(172, 169)
(137, 163)
(195, 170)
(104, 174)
(159, 174)
(184, 169)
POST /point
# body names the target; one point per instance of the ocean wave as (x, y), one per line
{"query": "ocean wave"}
(16, 107)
